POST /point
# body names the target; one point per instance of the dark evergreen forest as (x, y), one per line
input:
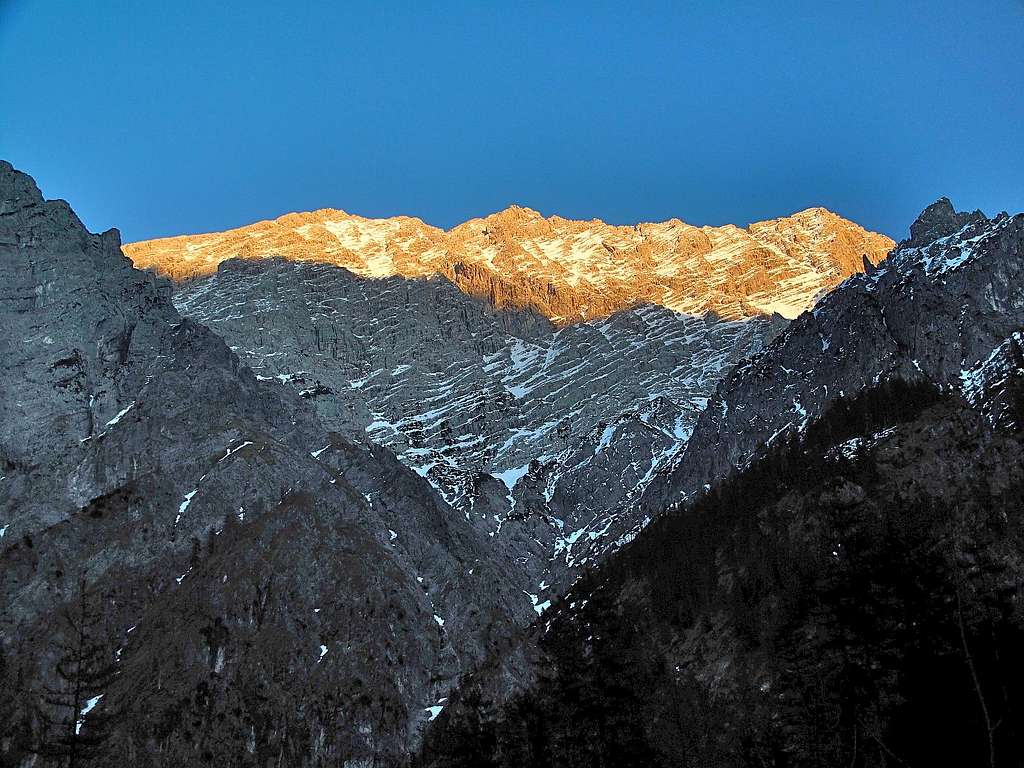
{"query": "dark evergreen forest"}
(855, 606)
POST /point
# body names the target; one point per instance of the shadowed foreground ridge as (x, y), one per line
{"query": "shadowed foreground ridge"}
(192, 569)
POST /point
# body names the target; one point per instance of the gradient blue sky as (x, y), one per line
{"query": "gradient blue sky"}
(169, 117)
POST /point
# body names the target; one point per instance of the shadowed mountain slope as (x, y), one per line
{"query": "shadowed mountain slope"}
(850, 598)
(252, 586)
(537, 433)
(946, 306)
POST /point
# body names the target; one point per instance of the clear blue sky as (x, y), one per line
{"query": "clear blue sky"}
(169, 117)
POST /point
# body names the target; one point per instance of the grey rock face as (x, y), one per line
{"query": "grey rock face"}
(945, 306)
(79, 322)
(990, 386)
(256, 599)
(538, 436)
(939, 220)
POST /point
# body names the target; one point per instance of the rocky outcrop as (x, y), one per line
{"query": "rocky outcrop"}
(937, 221)
(568, 271)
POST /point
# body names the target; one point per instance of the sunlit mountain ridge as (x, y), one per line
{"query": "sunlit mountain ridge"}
(566, 270)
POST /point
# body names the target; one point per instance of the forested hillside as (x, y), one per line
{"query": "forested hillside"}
(850, 598)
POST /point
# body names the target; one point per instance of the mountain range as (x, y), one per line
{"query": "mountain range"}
(328, 490)
(568, 271)
(572, 419)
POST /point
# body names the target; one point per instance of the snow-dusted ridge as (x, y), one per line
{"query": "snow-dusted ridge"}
(506, 415)
(568, 271)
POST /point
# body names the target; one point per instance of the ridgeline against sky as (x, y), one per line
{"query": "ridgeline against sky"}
(169, 118)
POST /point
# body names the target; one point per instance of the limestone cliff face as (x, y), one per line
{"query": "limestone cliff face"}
(541, 436)
(567, 270)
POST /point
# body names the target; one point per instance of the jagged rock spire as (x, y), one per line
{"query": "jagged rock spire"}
(939, 220)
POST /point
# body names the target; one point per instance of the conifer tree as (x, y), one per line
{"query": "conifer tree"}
(75, 728)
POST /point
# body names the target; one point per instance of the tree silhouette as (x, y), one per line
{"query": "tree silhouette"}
(74, 729)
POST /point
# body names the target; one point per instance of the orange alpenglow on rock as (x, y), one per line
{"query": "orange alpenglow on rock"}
(568, 271)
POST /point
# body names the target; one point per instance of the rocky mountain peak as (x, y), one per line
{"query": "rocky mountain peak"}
(938, 220)
(570, 271)
(16, 188)
(145, 469)
(516, 213)
(19, 193)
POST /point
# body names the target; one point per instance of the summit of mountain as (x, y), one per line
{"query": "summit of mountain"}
(566, 270)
